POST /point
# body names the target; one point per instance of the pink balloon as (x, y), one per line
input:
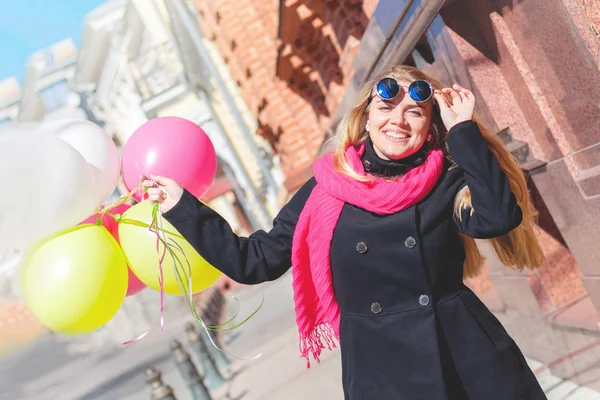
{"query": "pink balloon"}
(171, 147)
(135, 285)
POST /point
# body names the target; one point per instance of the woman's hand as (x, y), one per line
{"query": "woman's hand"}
(460, 109)
(165, 191)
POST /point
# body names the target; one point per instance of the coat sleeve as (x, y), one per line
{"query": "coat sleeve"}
(263, 256)
(494, 211)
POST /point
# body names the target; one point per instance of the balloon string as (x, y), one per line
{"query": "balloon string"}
(153, 228)
(183, 273)
(120, 201)
(105, 211)
(161, 259)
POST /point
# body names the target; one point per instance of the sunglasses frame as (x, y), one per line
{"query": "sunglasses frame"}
(377, 91)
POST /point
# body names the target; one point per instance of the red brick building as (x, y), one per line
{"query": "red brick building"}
(292, 63)
(534, 66)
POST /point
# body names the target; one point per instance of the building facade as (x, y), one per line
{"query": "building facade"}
(534, 66)
(10, 94)
(149, 67)
(48, 91)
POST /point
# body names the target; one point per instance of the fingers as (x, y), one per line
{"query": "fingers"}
(458, 95)
(156, 195)
(441, 100)
(155, 181)
(147, 183)
(471, 97)
(465, 94)
(459, 90)
(454, 95)
(161, 180)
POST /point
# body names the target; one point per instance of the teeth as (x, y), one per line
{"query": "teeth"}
(397, 135)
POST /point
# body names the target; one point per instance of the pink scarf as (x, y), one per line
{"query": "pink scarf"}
(317, 311)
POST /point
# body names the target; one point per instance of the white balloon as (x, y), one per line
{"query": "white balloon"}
(96, 147)
(47, 187)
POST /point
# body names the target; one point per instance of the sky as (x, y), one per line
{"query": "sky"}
(30, 25)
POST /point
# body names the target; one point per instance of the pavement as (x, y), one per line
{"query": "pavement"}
(99, 368)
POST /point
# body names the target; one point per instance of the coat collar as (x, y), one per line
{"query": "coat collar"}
(375, 165)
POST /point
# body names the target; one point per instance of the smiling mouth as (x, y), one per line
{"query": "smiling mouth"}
(397, 135)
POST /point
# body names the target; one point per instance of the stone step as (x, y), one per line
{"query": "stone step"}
(559, 389)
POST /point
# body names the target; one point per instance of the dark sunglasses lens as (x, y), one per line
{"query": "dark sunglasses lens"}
(388, 88)
(420, 91)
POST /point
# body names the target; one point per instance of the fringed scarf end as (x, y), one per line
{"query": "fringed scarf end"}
(313, 343)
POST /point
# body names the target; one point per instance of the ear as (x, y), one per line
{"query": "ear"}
(367, 127)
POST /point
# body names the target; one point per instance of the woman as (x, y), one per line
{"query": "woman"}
(381, 239)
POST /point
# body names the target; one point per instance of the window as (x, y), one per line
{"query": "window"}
(55, 95)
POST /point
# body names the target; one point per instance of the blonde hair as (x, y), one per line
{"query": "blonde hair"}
(519, 249)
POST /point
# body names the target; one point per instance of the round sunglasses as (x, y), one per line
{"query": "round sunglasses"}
(388, 88)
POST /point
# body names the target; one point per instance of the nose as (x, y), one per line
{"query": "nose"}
(397, 117)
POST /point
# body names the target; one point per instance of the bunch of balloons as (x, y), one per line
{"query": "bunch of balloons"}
(84, 256)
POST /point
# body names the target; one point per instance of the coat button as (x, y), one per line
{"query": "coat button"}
(376, 308)
(423, 300)
(361, 247)
(410, 242)
(366, 165)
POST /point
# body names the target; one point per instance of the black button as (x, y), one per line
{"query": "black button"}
(410, 242)
(423, 300)
(376, 308)
(367, 165)
(361, 247)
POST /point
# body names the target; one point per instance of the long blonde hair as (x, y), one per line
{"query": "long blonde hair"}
(519, 249)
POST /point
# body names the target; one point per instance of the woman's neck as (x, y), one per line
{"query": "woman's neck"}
(376, 165)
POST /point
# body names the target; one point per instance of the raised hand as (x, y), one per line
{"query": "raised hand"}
(460, 108)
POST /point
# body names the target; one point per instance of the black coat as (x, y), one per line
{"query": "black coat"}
(410, 329)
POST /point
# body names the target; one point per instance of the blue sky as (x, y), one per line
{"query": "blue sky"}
(30, 25)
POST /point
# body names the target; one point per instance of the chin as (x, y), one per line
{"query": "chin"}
(400, 154)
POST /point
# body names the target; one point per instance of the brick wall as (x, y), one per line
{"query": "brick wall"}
(291, 64)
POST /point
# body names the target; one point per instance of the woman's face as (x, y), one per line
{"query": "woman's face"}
(398, 127)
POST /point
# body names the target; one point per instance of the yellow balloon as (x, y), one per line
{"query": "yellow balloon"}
(139, 245)
(75, 281)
